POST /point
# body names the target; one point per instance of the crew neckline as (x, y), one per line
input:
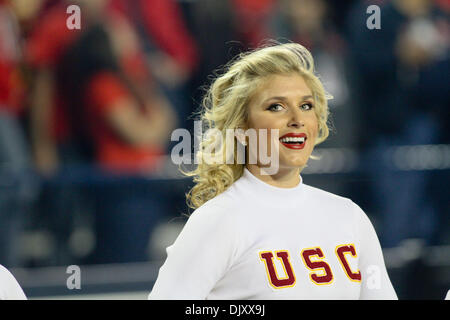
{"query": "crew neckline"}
(261, 185)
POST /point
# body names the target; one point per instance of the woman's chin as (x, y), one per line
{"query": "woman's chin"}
(293, 162)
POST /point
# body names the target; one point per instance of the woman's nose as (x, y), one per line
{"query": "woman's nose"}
(296, 120)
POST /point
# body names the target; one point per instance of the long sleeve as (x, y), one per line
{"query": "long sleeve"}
(199, 257)
(376, 284)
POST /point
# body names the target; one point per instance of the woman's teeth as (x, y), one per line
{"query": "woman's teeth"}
(292, 140)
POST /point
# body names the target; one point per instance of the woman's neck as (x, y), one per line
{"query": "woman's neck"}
(284, 178)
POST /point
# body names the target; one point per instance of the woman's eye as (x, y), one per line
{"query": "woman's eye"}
(275, 107)
(306, 106)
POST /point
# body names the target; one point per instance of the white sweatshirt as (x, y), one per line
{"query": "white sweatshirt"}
(9, 287)
(257, 241)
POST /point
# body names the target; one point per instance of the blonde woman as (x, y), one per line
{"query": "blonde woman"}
(261, 235)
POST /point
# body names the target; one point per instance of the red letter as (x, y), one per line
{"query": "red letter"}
(340, 252)
(327, 276)
(274, 280)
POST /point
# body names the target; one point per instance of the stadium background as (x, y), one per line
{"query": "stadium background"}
(79, 185)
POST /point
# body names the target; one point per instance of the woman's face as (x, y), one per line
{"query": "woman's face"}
(285, 102)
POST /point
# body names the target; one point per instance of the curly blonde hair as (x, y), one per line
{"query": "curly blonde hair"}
(224, 106)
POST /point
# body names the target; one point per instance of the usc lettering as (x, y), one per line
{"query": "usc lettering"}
(314, 260)
(340, 252)
(327, 276)
(274, 280)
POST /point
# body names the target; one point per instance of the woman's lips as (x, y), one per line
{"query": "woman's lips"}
(293, 143)
(295, 146)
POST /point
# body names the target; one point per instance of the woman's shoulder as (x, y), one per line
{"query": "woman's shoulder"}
(223, 202)
(323, 195)
(217, 215)
(337, 202)
(340, 207)
(225, 205)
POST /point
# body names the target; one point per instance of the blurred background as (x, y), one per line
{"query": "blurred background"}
(86, 116)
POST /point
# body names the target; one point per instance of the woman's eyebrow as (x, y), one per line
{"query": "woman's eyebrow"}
(282, 98)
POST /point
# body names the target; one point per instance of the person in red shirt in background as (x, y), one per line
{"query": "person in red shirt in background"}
(174, 48)
(252, 18)
(170, 48)
(112, 107)
(113, 96)
(171, 65)
(49, 126)
(130, 123)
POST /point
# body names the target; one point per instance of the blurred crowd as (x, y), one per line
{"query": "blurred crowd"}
(110, 93)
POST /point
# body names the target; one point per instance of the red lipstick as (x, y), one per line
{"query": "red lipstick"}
(293, 140)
